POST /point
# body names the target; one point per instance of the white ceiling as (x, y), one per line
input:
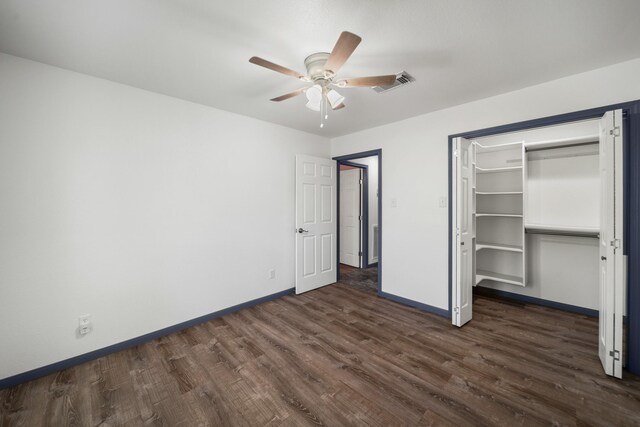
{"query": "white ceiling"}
(198, 50)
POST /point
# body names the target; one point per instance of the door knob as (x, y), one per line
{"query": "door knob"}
(302, 230)
(603, 258)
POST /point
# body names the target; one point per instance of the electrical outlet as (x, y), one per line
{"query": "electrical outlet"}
(442, 202)
(394, 202)
(272, 274)
(84, 324)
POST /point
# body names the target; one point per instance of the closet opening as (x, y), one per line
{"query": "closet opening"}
(359, 220)
(538, 216)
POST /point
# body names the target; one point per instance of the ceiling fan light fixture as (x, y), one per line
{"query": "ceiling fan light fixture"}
(334, 98)
(322, 68)
(314, 95)
(311, 106)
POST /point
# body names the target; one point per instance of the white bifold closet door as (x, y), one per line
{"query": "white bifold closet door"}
(612, 265)
(463, 249)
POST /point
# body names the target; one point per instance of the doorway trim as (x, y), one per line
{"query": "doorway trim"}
(364, 208)
(345, 160)
(631, 184)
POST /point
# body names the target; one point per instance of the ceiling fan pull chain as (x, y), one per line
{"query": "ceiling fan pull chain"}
(326, 107)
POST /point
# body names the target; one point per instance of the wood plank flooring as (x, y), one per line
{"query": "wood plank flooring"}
(365, 279)
(342, 356)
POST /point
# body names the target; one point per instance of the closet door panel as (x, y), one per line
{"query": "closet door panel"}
(463, 167)
(612, 275)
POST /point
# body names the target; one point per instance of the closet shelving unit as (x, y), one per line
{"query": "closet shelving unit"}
(501, 221)
(499, 208)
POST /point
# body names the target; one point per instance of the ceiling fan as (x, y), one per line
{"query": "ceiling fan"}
(322, 68)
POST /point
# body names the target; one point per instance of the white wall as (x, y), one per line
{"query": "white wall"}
(142, 210)
(372, 169)
(415, 169)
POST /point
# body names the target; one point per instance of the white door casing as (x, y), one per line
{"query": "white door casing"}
(350, 216)
(462, 213)
(612, 266)
(316, 223)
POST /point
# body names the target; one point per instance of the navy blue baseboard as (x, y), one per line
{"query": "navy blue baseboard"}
(538, 301)
(424, 307)
(68, 363)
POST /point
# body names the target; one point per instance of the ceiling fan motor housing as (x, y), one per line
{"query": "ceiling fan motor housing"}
(315, 67)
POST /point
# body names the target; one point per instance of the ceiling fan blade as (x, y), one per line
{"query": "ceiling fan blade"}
(275, 67)
(289, 95)
(343, 49)
(339, 107)
(368, 81)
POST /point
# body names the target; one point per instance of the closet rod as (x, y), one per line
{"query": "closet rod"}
(553, 147)
(562, 142)
(569, 233)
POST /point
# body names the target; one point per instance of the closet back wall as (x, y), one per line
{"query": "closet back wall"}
(128, 205)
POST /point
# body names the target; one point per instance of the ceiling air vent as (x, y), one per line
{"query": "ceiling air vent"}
(402, 78)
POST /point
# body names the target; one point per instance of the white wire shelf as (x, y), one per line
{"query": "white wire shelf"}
(498, 193)
(498, 170)
(498, 277)
(481, 214)
(498, 247)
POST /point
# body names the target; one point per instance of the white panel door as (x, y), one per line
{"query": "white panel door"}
(316, 224)
(612, 274)
(350, 217)
(462, 211)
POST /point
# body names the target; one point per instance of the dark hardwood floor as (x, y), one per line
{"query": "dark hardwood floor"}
(365, 279)
(342, 356)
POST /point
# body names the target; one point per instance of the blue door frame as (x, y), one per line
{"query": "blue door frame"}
(364, 229)
(631, 177)
(345, 160)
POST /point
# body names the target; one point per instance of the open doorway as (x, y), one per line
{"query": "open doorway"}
(359, 220)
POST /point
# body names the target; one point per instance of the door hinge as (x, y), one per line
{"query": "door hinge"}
(615, 131)
(359, 253)
(616, 243)
(456, 309)
(360, 181)
(359, 217)
(455, 153)
(615, 354)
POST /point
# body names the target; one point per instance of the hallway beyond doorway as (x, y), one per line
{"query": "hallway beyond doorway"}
(361, 278)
